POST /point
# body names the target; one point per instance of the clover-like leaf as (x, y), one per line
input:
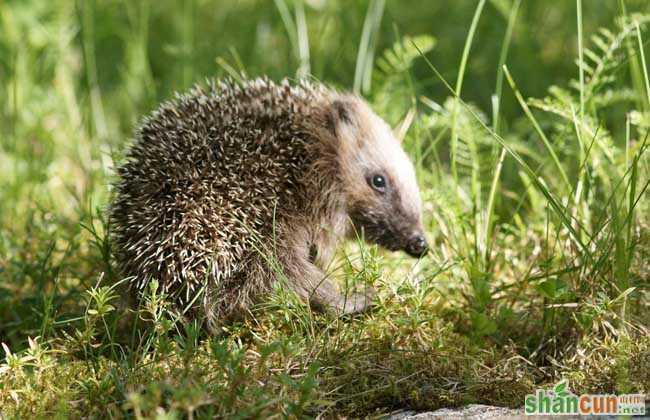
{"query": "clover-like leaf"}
(560, 389)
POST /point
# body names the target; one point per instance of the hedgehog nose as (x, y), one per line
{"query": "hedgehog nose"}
(417, 246)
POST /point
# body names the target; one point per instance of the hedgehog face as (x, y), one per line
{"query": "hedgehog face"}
(378, 179)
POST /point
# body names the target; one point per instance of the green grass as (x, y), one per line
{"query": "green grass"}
(537, 208)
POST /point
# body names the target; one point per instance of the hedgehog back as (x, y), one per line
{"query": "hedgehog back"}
(204, 179)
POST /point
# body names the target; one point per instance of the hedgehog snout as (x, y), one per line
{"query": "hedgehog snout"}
(417, 246)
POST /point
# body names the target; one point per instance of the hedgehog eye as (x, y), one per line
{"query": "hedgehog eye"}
(378, 182)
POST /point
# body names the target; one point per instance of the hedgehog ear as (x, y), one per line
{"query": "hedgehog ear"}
(340, 112)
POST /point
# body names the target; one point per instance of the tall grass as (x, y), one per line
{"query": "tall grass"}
(537, 208)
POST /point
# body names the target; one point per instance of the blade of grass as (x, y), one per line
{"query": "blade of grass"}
(303, 41)
(289, 25)
(232, 72)
(643, 64)
(601, 263)
(189, 13)
(618, 230)
(538, 181)
(582, 173)
(459, 87)
(475, 167)
(630, 243)
(581, 59)
(606, 217)
(635, 68)
(88, 44)
(367, 74)
(365, 54)
(489, 224)
(539, 130)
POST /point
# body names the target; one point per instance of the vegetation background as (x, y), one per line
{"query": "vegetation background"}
(537, 208)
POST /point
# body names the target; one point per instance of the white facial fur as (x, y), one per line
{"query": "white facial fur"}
(383, 150)
(367, 147)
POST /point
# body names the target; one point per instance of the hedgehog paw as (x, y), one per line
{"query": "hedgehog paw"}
(354, 303)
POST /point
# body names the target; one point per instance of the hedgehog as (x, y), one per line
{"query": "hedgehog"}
(234, 186)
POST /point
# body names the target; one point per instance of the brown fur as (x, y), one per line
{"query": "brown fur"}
(221, 183)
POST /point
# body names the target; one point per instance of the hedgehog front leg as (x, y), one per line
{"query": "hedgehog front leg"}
(312, 284)
(325, 296)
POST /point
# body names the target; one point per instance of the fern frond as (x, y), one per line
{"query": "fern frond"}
(392, 93)
(401, 55)
(608, 54)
